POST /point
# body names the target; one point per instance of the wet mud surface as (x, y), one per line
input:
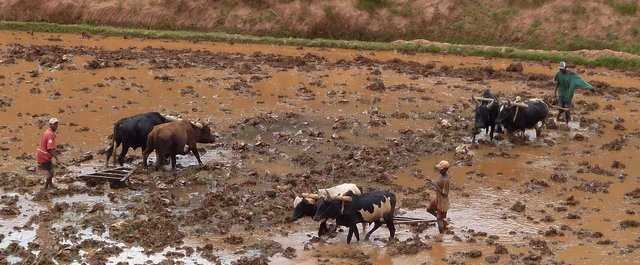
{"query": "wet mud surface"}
(294, 119)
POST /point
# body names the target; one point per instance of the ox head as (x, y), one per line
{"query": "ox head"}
(304, 205)
(485, 112)
(204, 134)
(330, 207)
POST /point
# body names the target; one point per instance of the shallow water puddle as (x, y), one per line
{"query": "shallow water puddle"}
(23, 237)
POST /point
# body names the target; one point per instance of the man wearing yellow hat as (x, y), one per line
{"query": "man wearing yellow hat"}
(440, 206)
(47, 150)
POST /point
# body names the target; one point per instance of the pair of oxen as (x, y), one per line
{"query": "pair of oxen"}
(152, 131)
(348, 206)
(514, 116)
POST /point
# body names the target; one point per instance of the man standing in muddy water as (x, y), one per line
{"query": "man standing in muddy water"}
(440, 206)
(566, 84)
(47, 150)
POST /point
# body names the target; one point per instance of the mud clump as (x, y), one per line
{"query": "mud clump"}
(558, 178)
(615, 145)
(154, 232)
(635, 194)
(540, 245)
(261, 260)
(594, 186)
(376, 85)
(629, 224)
(518, 207)
(472, 254)
(515, 67)
(304, 160)
(410, 246)
(492, 259)
(267, 247)
(5, 102)
(9, 211)
(500, 250)
(233, 240)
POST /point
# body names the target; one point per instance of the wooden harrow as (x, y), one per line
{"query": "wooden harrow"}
(117, 177)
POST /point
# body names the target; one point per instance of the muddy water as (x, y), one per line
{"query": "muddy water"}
(483, 190)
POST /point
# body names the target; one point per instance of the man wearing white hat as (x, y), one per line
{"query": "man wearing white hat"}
(47, 150)
(440, 206)
(566, 84)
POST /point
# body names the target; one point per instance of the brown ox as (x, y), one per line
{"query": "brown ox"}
(173, 138)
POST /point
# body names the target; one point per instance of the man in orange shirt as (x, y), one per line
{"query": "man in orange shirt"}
(47, 150)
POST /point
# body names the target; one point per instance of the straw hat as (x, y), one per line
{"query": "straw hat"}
(442, 165)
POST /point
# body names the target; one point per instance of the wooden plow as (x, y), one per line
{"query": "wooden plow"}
(118, 177)
(411, 220)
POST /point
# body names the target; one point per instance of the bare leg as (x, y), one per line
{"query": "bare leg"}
(49, 182)
(441, 222)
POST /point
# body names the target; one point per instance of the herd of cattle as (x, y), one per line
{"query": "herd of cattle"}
(345, 203)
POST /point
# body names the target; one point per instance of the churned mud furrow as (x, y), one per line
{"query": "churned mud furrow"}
(297, 119)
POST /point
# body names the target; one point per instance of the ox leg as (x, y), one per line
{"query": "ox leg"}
(350, 235)
(323, 228)
(493, 128)
(194, 150)
(173, 162)
(539, 129)
(145, 155)
(364, 228)
(391, 227)
(377, 225)
(109, 153)
(356, 231)
(159, 159)
(123, 153)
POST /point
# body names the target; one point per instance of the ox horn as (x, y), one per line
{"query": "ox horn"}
(311, 195)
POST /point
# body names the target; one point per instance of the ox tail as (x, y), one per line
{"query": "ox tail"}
(113, 145)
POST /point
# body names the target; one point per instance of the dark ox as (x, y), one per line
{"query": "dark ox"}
(176, 138)
(374, 207)
(306, 206)
(486, 113)
(132, 132)
(522, 116)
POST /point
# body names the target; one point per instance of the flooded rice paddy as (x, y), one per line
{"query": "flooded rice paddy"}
(295, 119)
